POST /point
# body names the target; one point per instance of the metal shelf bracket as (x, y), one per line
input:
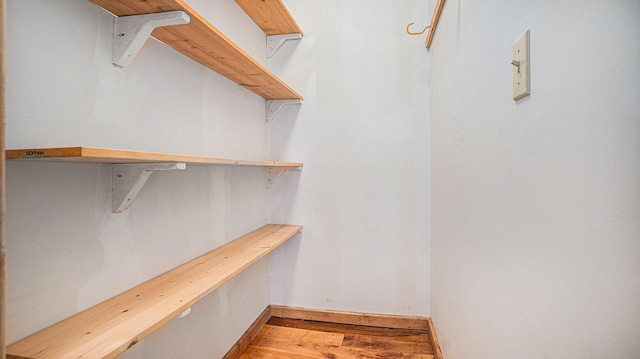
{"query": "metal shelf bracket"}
(273, 173)
(275, 106)
(128, 180)
(130, 33)
(274, 42)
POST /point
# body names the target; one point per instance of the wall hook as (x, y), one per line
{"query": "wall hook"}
(416, 33)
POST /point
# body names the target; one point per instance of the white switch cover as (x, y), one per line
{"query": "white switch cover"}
(520, 67)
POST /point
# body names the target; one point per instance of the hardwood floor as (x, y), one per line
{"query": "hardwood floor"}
(294, 338)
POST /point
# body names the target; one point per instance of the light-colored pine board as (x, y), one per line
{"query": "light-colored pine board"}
(374, 320)
(105, 155)
(434, 340)
(204, 43)
(109, 328)
(272, 16)
(249, 335)
(434, 21)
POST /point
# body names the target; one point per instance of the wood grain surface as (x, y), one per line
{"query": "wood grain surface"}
(204, 43)
(434, 21)
(296, 338)
(113, 326)
(105, 155)
(373, 320)
(272, 16)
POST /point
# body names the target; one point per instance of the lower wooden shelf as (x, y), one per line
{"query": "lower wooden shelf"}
(111, 327)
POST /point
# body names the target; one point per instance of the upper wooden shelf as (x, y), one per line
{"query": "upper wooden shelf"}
(434, 21)
(104, 155)
(271, 16)
(111, 327)
(207, 45)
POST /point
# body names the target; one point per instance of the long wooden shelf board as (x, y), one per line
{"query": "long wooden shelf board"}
(105, 155)
(111, 327)
(272, 16)
(207, 45)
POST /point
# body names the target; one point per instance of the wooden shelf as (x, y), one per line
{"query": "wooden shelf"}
(111, 327)
(104, 155)
(132, 168)
(207, 45)
(271, 16)
(434, 21)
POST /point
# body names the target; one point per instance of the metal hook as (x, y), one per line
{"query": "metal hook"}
(416, 33)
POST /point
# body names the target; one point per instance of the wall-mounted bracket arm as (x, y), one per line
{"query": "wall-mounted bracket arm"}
(128, 180)
(275, 106)
(130, 33)
(273, 173)
(274, 42)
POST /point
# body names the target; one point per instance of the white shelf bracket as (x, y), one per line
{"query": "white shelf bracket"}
(274, 42)
(130, 33)
(273, 173)
(275, 106)
(128, 180)
(185, 313)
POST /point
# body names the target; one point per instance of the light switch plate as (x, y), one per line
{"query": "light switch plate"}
(521, 68)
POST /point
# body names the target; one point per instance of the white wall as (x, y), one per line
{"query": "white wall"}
(66, 250)
(536, 204)
(362, 132)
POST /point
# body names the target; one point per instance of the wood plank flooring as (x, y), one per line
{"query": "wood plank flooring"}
(303, 339)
